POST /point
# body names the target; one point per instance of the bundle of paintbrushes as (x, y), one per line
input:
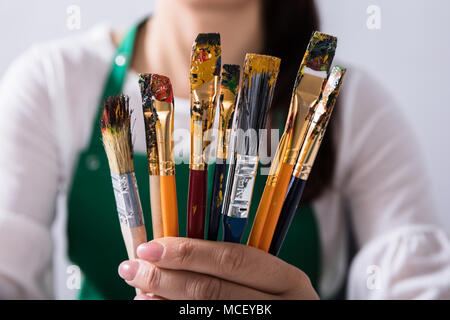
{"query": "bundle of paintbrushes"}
(204, 80)
(158, 108)
(116, 134)
(310, 80)
(260, 75)
(229, 88)
(310, 147)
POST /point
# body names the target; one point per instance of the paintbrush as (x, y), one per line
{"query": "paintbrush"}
(307, 156)
(159, 107)
(260, 75)
(229, 88)
(204, 81)
(310, 80)
(116, 134)
(152, 156)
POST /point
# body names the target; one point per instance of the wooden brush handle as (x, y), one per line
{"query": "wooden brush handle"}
(155, 202)
(197, 203)
(217, 195)
(291, 203)
(169, 206)
(133, 238)
(276, 205)
(261, 216)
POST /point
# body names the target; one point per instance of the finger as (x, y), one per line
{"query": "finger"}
(232, 262)
(184, 285)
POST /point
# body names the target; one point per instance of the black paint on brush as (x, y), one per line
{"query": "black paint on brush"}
(208, 39)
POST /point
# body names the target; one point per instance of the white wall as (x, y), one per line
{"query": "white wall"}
(410, 54)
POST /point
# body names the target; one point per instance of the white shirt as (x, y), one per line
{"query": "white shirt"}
(48, 100)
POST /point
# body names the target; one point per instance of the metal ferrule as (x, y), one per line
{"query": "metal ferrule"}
(203, 102)
(164, 134)
(318, 124)
(152, 145)
(303, 103)
(127, 199)
(227, 103)
(242, 188)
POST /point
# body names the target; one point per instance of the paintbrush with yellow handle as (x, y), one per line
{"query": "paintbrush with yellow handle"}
(159, 108)
(152, 157)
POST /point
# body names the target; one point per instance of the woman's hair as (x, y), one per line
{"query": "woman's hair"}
(288, 28)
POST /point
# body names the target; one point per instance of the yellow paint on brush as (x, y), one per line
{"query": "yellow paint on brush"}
(258, 63)
(204, 64)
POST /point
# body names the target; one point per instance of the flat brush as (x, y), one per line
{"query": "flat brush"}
(260, 75)
(307, 156)
(204, 81)
(116, 134)
(229, 88)
(152, 156)
(312, 75)
(158, 96)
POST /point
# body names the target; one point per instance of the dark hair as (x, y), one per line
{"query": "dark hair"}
(288, 28)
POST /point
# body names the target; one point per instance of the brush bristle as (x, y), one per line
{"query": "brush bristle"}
(320, 52)
(208, 39)
(116, 132)
(205, 59)
(230, 77)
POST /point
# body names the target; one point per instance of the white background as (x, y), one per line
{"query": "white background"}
(410, 54)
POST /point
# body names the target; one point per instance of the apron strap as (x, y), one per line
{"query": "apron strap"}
(115, 80)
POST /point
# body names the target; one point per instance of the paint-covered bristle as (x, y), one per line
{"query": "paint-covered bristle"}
(208, 39)
(116, 133)
(156, 87)
(230, 77)
(205, 59)
(258, 63)
(116, 113)
(320, 52)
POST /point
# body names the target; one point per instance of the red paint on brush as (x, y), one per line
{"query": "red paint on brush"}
(161, 88)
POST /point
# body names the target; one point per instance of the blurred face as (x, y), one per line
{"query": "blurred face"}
(215, 4)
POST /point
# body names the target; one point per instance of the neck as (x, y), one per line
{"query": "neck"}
(164, 45)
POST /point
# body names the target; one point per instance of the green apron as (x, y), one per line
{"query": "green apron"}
(95, 242)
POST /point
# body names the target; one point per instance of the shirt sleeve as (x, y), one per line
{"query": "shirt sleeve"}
(402, 252)
(29, 174)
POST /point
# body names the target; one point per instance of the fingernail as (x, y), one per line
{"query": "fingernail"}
(128, 270)
(151, 251)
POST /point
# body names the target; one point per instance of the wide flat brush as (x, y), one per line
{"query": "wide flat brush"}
(260, 75)
(307, 156)
(160, 104)
(312, 75)
(229, 88)
(152, 156)
(116, 134)
(204, 81)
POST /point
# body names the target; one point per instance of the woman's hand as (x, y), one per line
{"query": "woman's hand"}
(181, 268)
